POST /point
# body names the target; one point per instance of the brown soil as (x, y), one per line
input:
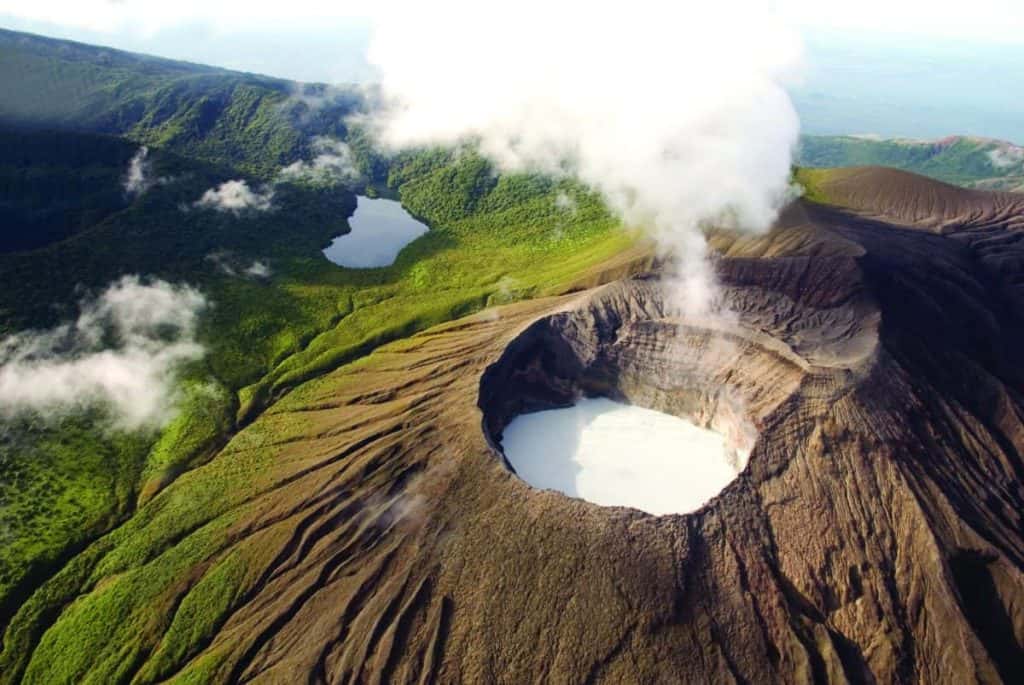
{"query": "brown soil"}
(876, 535)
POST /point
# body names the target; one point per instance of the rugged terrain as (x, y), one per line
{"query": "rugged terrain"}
(339, 509)
(365, 528)
(74, 117)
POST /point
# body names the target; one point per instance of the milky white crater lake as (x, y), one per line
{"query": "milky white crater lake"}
(380, 229)
(619, 455)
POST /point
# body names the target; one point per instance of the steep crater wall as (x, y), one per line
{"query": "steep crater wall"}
(727, 372)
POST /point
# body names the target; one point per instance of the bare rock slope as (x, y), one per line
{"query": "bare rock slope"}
(874, 362)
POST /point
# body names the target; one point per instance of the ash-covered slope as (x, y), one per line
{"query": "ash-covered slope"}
(874, 537)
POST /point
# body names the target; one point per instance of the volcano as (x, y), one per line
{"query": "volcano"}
(874, 369)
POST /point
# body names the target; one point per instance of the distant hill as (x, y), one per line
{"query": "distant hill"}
(962, 160)
(203, 112)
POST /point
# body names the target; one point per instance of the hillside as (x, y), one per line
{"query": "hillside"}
(363, 528)
(327, 499)
(263, 335)
(966, 161)
(254, 123)
(53, 185)
(72, 229)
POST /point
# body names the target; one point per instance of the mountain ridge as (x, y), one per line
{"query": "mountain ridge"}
(970, 161)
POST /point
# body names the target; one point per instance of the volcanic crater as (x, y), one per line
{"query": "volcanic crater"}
(871, 365)
(624, 344)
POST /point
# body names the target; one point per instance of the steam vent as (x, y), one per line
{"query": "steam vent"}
(870, 383)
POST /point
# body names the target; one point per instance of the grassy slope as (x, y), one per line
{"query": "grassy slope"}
(811, 180)
(493, 239)
(962, 161)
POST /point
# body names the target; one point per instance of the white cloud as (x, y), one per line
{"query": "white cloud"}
(223, 261)
(322, 40)
(565, 203)
(121, 353)
(1006, 156)
(333, 162)
(232, 265)
(983, 20)
(258, 269)
(137, 180)
(677, 115)
(236, 197)
(139, 176)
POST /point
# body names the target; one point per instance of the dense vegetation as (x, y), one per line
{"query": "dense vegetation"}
(254, 123)
(54, 184)
(67, 478)
(73, 488)
(972, 162)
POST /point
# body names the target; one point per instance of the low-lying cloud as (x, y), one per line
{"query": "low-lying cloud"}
(236, 197)
(1006, 156)
(676, 113)
(121, 354)
(333, 163)
(257, 269)
(565, 202)
(137, 179)
(232, 265)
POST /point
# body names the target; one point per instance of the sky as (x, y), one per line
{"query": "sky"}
(914, 68)
(979, 20)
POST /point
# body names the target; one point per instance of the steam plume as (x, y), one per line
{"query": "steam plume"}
(674, 111)
(137, 180)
